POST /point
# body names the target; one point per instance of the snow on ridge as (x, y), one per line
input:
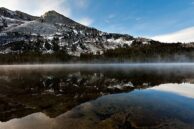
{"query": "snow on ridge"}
(120, 41)
(35, 27)
(76, 39)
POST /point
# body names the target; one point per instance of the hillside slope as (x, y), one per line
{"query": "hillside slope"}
(23, 36)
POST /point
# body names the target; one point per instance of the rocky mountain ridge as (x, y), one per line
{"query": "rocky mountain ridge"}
(55, 32)
(53, 37)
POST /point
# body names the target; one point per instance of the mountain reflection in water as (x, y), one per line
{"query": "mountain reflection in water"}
(111, 97)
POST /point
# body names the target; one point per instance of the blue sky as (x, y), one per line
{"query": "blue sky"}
(140, 17)
(150, 18)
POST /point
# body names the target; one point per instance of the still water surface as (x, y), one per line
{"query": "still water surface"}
(106, 96)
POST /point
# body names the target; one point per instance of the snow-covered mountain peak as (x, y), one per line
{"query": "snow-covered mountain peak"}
(16, 14)
(54, 17)
(56, 33)
(6, 12)
(52, 13)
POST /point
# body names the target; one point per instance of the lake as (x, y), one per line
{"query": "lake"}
(97, 96)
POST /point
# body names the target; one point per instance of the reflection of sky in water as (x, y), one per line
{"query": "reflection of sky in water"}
(184, 89)
(170, 102)
(34, 121)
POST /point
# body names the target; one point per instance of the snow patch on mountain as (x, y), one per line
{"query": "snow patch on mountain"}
(35, 27)
(120, 41)
(56, 31)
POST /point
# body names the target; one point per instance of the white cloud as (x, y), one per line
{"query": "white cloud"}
(81, 3)
(86, 21)
(38, 7)
(111, 16)
(185, 35)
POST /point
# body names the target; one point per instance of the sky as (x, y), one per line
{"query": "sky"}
(163, 20)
